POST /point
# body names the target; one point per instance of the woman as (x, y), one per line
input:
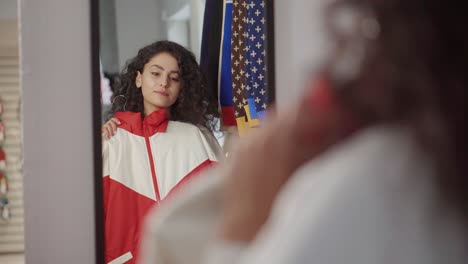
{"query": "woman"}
(394, 191)
(163, 112)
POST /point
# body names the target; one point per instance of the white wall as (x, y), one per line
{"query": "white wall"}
(8, 9)
(139, 23)
(178, 31)
(172, 8)
(108, 36)
(58, 150)
(299, 45)
(197, 9)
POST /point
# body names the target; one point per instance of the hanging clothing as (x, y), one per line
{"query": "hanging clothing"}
(255, 53)
(4, 209)
(2, 133)
(2, 160)
(211, 41)
(248, 55)
(225, 69)
(240, 68)
(238, 63)
(143, 163)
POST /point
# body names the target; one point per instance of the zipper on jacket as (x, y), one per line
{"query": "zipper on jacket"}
(153, 171)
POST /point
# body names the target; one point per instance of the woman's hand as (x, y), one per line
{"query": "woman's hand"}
(261, 163)
(109, 128)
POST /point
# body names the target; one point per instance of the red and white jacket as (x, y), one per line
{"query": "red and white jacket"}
(144, 162)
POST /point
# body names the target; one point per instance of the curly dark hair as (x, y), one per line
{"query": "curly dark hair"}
(194, 105)
(414, 71)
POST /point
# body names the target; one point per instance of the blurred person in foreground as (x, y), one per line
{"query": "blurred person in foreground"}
(371, 167)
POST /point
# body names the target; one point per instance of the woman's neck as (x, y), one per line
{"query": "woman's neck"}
(149, 111)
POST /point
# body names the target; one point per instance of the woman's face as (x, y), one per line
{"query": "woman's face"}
(159, 82)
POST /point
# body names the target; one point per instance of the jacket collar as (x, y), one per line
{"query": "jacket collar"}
(150, 125)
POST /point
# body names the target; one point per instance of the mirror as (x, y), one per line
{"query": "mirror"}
(180, 79)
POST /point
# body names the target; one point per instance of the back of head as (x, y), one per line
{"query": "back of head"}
(412, 59)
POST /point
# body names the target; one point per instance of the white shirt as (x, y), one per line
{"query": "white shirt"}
(370, 200)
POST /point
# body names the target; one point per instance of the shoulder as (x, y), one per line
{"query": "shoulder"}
(181, 127)
(374, 160)
(190, 134)
(374, 191)
(187, 129)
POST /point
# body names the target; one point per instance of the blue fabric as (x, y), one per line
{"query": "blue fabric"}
(256, 86)
(225, 88)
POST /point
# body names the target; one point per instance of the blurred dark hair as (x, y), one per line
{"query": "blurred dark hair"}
(414, 71)
(112, 77)
(194, 104)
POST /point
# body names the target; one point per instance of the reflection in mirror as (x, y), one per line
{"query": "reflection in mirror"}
(178, 80)
(11, 177)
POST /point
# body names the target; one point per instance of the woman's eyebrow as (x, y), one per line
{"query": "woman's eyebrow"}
(162, 68)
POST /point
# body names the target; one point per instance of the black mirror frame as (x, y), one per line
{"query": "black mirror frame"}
(96, 94)
(97, 138)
